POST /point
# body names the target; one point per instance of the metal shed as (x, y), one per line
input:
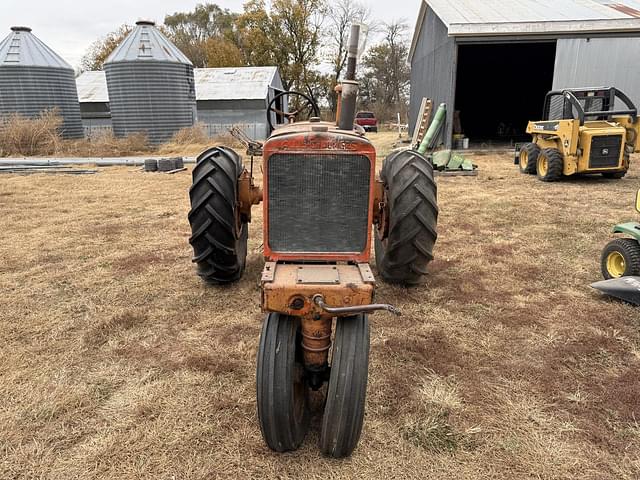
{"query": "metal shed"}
(225, 97)
(494, 60)
(94, 102)
(33, 78)
(236, 96)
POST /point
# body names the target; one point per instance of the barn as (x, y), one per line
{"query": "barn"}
(493, 61)
(225, 97)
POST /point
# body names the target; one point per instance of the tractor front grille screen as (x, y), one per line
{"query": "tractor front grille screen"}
(605, 151)
(318, 203)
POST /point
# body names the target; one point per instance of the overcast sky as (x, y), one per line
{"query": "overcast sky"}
(70, 26)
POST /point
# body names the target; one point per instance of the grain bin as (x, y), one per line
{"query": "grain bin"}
(151, 85)
(33, 78)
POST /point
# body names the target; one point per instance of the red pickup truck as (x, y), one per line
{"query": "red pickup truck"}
(367, 120)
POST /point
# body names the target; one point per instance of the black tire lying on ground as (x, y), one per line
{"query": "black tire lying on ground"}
(219, 237)
(150, 165)
(178, 162)
(412, 203)
(166, 165)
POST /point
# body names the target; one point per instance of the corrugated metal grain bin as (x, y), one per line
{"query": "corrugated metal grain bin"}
(33, 78)
(151, 85)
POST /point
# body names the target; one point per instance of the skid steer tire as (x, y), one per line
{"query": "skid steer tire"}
(412, 204)
(344, 408)
(282, 393)
(550, 165)
(620, 258)
(219, 237)
(528, 158)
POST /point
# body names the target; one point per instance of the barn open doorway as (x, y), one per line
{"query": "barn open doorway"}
(500, 87)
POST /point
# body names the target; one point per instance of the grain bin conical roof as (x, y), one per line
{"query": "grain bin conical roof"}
(23, 48)
(34, 79)
(147, 43)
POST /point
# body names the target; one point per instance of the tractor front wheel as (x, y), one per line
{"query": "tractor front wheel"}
(344, 409)
(620, 258)
(282, 393)
(550, 165)
(528, 158)
(218, 233)
(412, 215)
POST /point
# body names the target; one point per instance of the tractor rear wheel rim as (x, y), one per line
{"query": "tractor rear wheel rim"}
(616, 264)
(524, 159)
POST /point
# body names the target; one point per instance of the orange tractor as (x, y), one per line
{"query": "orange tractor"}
(323, 209)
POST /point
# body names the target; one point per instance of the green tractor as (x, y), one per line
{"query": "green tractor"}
(620, 263)
(621, 257)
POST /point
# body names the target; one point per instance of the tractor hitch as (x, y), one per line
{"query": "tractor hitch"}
(319, 301)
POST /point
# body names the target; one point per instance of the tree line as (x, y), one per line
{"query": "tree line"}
(306, 39)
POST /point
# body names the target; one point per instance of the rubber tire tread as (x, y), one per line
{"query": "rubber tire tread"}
(555, 165)
(346, 394)
(219, 246)
(533, 150)
(274, 384)
(412, 196)
(630, 250)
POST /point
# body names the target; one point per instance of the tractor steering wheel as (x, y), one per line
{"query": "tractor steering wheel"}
(309, 105)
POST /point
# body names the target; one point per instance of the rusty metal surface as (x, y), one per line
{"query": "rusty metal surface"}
(313, 274)
(316, 340)
(248, 195)
(284, 294)
(268, 272)
(366, 273)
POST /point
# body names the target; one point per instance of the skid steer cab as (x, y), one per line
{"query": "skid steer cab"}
(323, 208)
(583, 131)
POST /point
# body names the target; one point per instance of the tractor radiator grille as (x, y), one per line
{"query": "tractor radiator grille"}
(318, 203)
(605, 151)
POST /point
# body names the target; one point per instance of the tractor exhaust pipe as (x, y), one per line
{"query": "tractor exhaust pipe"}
(349, 84)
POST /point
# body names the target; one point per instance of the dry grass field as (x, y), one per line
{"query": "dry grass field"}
(116, 361)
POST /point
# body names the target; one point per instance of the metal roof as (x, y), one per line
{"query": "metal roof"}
(92, 87)
(23, 49)
(477, 18)
(239, 83)
(147, 43)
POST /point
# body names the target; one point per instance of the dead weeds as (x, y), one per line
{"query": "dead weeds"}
(117, 361)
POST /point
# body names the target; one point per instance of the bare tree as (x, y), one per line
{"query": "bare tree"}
(342, 14)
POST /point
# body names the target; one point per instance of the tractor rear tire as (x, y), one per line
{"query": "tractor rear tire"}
(282, 393)
(412, 204)
(620, 258)
(219, 237)
(550, 165)
(344, 409)
(528, 158)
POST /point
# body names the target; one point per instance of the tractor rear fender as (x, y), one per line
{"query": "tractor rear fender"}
(632, 229)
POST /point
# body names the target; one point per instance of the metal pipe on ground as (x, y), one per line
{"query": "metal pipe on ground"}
(99, 162)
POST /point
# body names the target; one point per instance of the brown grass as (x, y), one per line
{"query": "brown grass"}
(117, 362)
(23, 136)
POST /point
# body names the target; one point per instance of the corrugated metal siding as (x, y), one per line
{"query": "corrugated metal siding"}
(30, 90)
(153, 97)
(218, 119)
(582, 62)
(433, 70)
